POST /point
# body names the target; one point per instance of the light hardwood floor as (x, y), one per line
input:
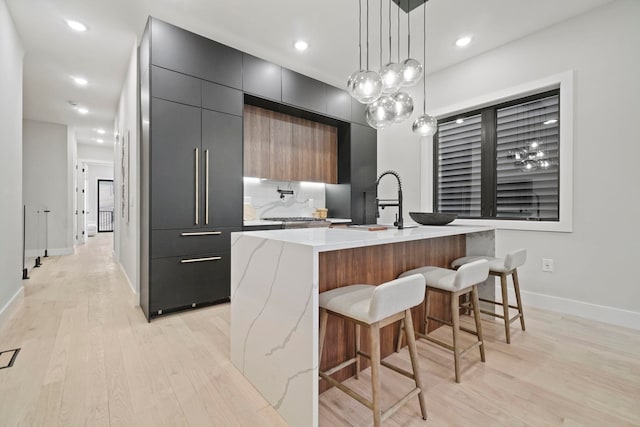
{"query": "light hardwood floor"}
(90, 358)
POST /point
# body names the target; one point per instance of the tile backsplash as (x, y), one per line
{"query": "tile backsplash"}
(263, 197)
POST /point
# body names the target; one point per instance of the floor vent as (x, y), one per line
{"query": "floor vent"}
(8, 357)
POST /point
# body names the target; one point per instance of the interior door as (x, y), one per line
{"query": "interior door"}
(176, 172)
(222, 162)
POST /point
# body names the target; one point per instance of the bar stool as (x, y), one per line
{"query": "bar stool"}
(502, 267)
(375, 307)
(455, 283)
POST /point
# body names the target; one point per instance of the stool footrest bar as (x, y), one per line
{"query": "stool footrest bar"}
(394, 408)
(340, 366)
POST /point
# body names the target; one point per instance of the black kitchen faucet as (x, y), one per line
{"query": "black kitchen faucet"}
(383, 203)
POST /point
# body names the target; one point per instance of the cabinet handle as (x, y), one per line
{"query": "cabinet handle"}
(197, 189)
(187, 261)
(202, 233)
(206, 187)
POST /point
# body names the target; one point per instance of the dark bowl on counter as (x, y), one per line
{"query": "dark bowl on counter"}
(432, 218)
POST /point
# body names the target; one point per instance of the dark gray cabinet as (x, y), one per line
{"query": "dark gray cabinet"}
(222, 98)
(338, 103)
(357, 112)
(261, 78)
(304, 92)
(176, 49)
(176, 149)
(176, 87)
(222, 148)
(364, 159)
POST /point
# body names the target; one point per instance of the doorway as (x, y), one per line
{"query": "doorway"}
(105, 205)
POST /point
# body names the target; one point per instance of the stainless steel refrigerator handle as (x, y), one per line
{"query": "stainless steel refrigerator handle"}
(202, 233)
(197, 189)
(206, 187)
(187, 261)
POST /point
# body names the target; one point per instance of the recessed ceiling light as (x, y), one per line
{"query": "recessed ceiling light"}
(100, 141)
(460, 121)
(550, 122)
(76, 26)
(463, 41)
(101, 131)
(80, 81)
(301, 45)
(82, 110)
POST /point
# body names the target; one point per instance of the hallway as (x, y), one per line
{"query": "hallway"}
(88, 357)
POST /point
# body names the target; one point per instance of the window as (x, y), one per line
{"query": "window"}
(501, 162)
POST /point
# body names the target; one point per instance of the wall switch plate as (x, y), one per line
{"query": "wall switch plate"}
(547, 264)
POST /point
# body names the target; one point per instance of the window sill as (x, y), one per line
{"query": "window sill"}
(549, 226)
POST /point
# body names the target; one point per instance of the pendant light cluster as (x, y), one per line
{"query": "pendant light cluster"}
(382, 91)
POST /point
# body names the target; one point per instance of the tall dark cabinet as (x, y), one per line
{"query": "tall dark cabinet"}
(191, 159)
(192, 96)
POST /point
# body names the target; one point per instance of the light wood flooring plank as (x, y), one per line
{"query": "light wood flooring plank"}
(90, 358)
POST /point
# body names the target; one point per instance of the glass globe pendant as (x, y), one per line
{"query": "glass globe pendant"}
(367, 86)
(381, 113)
(391, 75)
(351, 80)
(411, 72)
(425, 125)
(403, 103)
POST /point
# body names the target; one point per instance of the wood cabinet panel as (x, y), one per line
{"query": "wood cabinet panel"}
(286, 148)
(256, 141)
(280, 147)
(375, 265)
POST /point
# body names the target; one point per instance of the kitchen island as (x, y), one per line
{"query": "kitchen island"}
(276, 277)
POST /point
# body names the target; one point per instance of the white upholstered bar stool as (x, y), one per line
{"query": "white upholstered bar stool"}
(375, 307)
(455, 283)
(502, 267)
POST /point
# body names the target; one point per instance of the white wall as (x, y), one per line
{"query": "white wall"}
(47, 185)
(11, 55)
(594, 274)
(90, 152)
(127, 234)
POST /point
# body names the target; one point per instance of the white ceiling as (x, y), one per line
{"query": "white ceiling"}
(264, 28)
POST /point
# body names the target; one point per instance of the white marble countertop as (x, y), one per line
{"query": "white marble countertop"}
(329, 239)
(261, 222)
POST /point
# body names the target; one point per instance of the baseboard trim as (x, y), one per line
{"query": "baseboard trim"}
(33, 253)
(600, 313)
(6, 310)
(124, 273)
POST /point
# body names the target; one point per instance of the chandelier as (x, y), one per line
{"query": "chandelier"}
(381, 91)
(531, 157)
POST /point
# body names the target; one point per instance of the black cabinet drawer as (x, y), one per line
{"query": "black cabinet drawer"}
(165, 243)
(303, 92)
(176, 87)
(180, 50)
(261, 78)
(222, 98)
(181, 282)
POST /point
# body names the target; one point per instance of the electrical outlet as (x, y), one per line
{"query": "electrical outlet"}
(547, 264)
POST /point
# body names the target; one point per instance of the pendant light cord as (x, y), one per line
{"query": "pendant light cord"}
(380, 33)
(389, 30)
(398, 50)
(360, 32)
(408, 36)
(424, 65)
(367, 34)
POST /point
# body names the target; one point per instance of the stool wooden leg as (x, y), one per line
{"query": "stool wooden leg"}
(374, 334)
(400, 334)
(516, 288)
(476, 315)
(455, 322)
(426, 311)
(324, 316)
(357, 339)
(413, 353)
(505, 307)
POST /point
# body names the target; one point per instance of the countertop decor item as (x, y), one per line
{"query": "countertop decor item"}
(432, 218)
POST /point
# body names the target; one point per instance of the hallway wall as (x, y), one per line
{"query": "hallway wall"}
(11, 57)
